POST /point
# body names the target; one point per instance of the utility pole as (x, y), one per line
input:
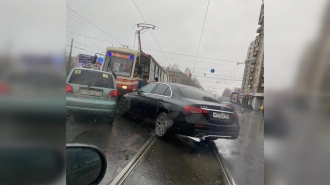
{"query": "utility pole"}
(69, 60)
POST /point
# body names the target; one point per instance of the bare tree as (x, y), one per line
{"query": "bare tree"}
(172, 67)
(175, 66)
(226, 93)
(187, 70)
(195, 80)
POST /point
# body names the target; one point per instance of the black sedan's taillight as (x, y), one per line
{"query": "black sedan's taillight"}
(194, 110)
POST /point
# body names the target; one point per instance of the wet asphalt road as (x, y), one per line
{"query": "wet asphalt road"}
(172, 161)
(245, 156)
(177, 161)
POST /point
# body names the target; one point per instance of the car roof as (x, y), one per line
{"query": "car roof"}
(179, 85)
(81, 68)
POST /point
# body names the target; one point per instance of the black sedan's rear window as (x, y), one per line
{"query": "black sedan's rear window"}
(91, 78)
(196, 94)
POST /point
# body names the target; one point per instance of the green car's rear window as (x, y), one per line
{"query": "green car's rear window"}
(91, 78)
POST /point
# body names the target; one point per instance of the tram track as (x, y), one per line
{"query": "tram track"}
(125, 173)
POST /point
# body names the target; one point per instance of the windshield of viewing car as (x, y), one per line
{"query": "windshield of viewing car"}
(163, 120)
(119, 63)
(196, 94)
(91, 78)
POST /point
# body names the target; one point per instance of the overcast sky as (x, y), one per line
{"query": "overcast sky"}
(229, 28)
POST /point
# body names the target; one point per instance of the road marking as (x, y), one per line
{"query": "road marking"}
(130, 166)
(223, 165)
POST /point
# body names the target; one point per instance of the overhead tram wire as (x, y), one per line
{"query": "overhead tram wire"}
(86, 45)
(179, 54)
(200, 40)
(88, 27)
(94, 25)
(151, 32)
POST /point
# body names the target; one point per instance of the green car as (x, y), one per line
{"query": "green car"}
(91, 91)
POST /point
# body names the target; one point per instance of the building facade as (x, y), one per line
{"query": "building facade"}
(252, 95)
(249, 66)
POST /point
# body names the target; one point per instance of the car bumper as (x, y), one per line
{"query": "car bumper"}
(91, 106)
(207, 130)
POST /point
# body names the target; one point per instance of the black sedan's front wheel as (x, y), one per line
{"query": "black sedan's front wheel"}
(162, 125)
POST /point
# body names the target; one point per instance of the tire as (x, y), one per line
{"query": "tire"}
(111, 120)
(162, 125)
(122, 107)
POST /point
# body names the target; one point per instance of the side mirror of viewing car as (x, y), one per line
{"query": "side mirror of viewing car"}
(85, 164)
(139, 69)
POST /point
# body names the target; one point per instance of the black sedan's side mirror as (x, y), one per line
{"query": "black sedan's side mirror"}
(140, 92)
(85, 164)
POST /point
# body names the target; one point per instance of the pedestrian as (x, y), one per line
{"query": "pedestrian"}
(262, 111)
(156, 79)
(142, 83)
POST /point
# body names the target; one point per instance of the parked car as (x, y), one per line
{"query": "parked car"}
(91, 91)
(181, 109)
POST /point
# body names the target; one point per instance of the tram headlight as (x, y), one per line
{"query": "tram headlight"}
(124, 87)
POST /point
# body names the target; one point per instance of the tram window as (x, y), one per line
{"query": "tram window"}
(152, 72)
(145, 63)
(157, 72)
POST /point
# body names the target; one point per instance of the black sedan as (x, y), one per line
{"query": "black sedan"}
(181, 109)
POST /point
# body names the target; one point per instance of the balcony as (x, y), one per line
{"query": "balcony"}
(251, 77)
(253, 66)
(249, 85)
(253, 61)
(252, 70)
(259, 29)
(262, 84)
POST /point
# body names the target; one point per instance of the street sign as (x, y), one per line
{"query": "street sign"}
(212, 70)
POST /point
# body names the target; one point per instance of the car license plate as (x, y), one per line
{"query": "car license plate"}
(220, 115)
(90, 92)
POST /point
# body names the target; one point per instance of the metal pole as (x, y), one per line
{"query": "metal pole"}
(69, 61)
(138, 32)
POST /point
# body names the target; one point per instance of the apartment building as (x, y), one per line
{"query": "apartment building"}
(252, 95)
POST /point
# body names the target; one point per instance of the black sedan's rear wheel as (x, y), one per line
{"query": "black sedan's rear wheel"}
(122, 107)
(162, 125)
